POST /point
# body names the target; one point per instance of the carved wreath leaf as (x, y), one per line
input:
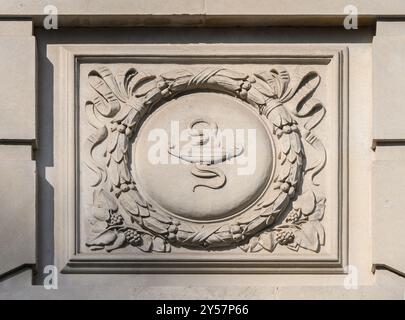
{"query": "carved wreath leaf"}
(305, 202)
(104, 238)
(252, 246)
(103, 206)
(113, 94)
(302, 228)
(309, 236)
(118, 243)
(290, 156)
(295, 94)
(147, 243)
(319, 210)
(118, 99)
(159, 245)
(276, 79)
(134, 204)
(267, 241)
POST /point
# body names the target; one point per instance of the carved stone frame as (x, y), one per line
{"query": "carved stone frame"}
(69, 258)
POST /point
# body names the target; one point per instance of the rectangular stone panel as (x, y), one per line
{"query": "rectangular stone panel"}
(388, 220)
(18, 80)
(201, 158)
(388, 93)
(17, 214)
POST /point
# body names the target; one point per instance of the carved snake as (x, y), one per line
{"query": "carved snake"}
(208, 172)
(203, 156)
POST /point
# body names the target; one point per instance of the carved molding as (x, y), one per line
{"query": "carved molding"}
(117, 225)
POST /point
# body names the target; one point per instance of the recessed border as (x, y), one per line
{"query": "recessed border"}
(70, 261)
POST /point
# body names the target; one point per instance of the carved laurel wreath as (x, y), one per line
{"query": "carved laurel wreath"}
(121, 216)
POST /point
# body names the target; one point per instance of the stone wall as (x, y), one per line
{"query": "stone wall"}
(320, 218)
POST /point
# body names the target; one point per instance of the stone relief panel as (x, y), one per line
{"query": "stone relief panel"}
(121, 214)
(207, 163)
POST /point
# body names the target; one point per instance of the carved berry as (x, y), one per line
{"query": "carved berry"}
(286, 129)
(235, 229)
(243, 94)
(246, 85)
(162, 85)
(278, 132)
(128, 132)
(285, 187)
(114, 126)
(165, 92)
(237, 237)
(251, 79)
(121, 128)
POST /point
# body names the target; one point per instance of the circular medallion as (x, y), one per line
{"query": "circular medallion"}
(203, 157)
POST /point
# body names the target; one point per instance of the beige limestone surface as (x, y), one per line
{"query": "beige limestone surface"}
(32, 181)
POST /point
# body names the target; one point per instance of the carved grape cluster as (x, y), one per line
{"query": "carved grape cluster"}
(293, 216)
(132, 237)
(284, 237)
(115, 219)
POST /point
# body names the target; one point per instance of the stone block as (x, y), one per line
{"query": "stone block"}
(17, 81)
(17, 214)
(388, 82)
(201, 208)
(388, 202)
